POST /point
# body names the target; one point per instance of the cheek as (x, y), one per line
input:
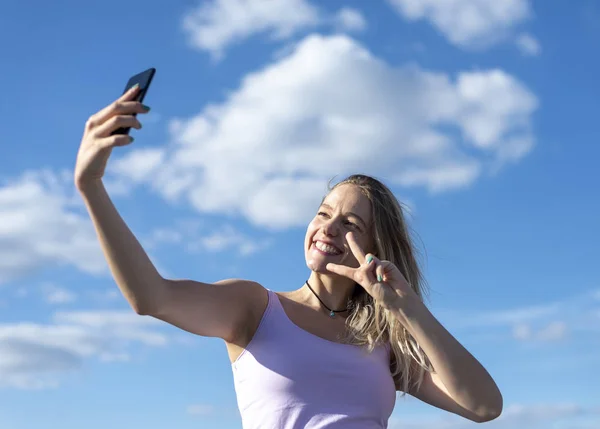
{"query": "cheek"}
(364, 243)
(310, 232)
(350, 260)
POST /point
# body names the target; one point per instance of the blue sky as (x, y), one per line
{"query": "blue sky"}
(481, 115)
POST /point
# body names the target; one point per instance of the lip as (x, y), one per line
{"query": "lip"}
(329, 243)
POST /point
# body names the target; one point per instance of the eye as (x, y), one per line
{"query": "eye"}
(322, 214)
(352, 225)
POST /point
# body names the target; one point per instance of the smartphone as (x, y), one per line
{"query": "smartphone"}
(144, 79)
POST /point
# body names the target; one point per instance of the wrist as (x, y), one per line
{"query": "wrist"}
(89, 187)
(409, 308)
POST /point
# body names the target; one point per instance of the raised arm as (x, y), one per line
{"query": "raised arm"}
(214, 310)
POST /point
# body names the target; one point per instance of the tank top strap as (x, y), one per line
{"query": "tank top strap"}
(273, 317)
(274, 302)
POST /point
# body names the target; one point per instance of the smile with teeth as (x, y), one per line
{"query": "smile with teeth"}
(326, 248)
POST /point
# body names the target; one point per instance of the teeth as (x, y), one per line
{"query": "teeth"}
(327, 248)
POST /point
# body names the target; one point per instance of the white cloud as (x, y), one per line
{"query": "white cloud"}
(162, 236)
(40, 227)
(215, 24)
(178, 232)
(105, 296)
(549, 322)
(467, 23)
(227, 238)
(200, 409)
(57, 295)
(553, 331)
(35, 356)
(194, 237)
(528, 45)
(21, 292)
(139, 164)
(130, 169)
(115, 357)
(516, 315)
(349, 19)
(522, 332)
(331, 108)
(531, 416)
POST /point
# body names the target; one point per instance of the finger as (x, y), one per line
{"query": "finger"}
(116, 122)
(116, 140)
(130, 107)
(370, 268)
(130, 93)
(341, 270)
(358, 253)
(101, 116)
(380, 273)
(377, 267)
(366, 277)
(119, 108)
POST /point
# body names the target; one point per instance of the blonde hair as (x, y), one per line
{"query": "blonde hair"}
(368, 322)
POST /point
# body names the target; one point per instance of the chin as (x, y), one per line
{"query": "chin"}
(319, 267)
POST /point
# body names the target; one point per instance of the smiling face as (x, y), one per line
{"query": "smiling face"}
(345, 209)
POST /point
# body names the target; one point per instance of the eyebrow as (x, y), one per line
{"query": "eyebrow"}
(327, 206)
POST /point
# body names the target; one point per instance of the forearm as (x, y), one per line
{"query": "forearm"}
(134, 273)
(466, 380)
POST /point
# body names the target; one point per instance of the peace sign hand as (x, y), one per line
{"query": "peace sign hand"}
(381, 279)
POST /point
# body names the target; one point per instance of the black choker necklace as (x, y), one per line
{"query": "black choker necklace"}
(331, 312)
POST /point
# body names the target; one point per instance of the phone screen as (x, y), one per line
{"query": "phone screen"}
(143, 79)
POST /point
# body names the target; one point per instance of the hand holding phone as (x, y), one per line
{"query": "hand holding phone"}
(109, 128)
(143, 79)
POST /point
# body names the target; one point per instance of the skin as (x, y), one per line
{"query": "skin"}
(231, 309)
(459, 384)
(344, 210)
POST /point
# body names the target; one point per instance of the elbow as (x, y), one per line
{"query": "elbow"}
(142, 308)
(488, 416)
(150, 303)
(490, 412)
(141, 311)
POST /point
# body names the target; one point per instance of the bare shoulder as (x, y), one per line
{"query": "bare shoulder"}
(254, 297)
(223, 309)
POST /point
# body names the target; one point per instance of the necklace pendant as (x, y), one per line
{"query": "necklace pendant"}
(331, 314)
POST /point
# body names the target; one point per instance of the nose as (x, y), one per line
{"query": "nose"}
(330, 228)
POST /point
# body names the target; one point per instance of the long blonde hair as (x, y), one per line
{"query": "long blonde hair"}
(368, 323)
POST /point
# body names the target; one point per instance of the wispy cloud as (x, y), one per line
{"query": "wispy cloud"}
(466, 23)
(528, 45)
(57, 295)
(350, 20)
(229, 238)
(210, 238)
(200, 409)
(37, 356)
(531, 416)
(553, 331)
(330, 108)
(552, 321)
(216, 24)
(42, 226)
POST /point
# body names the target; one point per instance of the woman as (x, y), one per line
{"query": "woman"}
(330, 354)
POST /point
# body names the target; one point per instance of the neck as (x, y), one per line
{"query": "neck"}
(334, 291)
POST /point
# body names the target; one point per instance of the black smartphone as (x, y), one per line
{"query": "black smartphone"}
(144, 79)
